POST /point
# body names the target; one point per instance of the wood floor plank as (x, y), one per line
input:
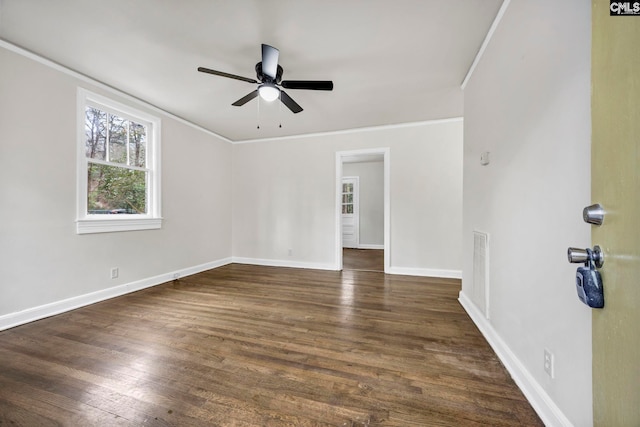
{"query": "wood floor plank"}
(246, 345)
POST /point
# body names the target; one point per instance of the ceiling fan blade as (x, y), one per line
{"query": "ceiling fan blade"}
(270, 60)
(222, 74)
(290, 103)
(308, 84)
(246, 98)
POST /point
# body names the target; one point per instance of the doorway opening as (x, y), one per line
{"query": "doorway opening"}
(363, 259)
(362, 225)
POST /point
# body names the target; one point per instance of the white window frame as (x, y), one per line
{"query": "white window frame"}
(100, 223)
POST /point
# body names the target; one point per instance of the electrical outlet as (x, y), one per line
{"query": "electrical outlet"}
(548, 363)
(290, 252)
(114, 273)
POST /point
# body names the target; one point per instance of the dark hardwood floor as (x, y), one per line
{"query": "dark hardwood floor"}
(363, 259)
(260, 346)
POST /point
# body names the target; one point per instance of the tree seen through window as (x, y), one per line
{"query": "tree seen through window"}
(116, 154)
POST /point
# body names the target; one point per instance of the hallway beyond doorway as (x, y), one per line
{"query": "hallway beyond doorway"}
(363, 259)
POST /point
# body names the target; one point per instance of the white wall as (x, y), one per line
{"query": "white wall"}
(42, 259)
(284, 197)
(528, 103)
(371, 200)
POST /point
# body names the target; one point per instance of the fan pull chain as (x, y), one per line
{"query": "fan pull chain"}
(280, 109)
(258, 118)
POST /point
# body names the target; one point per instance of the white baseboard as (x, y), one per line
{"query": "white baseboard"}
(426, 272)
(370, 246)
(283, 263)
(546, 408)
(35, 313)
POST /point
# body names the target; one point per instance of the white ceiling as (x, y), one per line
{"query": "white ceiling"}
(391, 61)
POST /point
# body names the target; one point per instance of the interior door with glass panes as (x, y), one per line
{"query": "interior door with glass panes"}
(350, 212)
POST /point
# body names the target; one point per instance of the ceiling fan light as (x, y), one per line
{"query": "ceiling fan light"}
(269, 92)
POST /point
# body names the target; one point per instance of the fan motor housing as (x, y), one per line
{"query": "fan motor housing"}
(267, 79)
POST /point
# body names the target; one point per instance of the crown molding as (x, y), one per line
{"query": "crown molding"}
(86, 79)
(89, 80)
(354, 130)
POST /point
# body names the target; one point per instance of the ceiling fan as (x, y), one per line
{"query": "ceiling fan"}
(269, 75)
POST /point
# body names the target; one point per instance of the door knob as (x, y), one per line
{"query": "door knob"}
(593, 214)
(583, 256)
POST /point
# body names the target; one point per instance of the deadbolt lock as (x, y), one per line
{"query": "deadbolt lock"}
(593, 214)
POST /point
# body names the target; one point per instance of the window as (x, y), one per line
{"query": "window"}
(118, 166)
(347, 198)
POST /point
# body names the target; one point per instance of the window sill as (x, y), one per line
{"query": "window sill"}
(111, 225)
